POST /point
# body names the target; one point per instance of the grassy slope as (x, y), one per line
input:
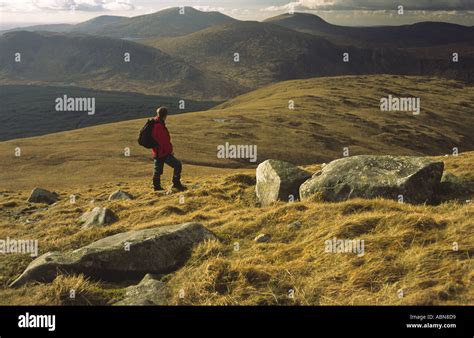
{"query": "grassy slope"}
(330, 113)
(406, 247)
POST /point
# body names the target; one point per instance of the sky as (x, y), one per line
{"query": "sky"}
(16, 13)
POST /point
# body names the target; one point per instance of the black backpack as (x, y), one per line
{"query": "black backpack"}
(145, 139)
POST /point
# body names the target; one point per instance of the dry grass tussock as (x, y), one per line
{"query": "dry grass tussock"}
(409, 256)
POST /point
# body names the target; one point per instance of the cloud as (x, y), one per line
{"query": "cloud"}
(430, 5)
(65, 5)
(209, 8)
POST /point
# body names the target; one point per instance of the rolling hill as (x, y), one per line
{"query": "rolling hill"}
(193, 55)
(422, 34)
(96, 23)
(168, 22)
(269, 53)
(99, 63)
(330, 114)
(409, 247)
(30, 110)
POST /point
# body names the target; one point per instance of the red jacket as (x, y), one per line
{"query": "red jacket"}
(162, 136)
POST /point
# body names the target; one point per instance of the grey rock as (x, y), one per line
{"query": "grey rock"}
(39, 195)
(294, 225)
(277, 180)
(120, 195)
(124, 256)
(262, 238)
(97, 217)
(150, 291)
(365, 176)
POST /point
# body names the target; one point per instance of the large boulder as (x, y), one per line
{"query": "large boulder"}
(150, 291)
(97, 217)
(365, 176)
(277, 180)
(39, 195)
(124, 256)
(120, 195)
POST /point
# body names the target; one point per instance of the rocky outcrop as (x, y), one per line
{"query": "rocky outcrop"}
(120, 195)
(150, 291)
(97, 217)
(124, 256)
(413, 178)
(278, 180)
(39, 195)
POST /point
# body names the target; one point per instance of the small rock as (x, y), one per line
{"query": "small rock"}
(150, 291)
(97, 217)
(39, 195)
(10, 204)
(262, 238)
(120, 195)
(295, 225)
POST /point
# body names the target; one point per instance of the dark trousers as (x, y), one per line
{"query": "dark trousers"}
(158, 169)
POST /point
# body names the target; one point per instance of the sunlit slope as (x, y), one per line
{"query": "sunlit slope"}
(407, 247)
(329, 115)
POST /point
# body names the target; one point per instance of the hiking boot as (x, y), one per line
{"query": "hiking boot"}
(177, 184)
(157, 184)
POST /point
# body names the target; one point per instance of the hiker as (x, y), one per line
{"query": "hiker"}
(164, 152)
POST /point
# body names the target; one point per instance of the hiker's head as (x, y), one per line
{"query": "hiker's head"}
(162, 112)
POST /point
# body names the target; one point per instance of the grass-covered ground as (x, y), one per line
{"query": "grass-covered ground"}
(408, 249)
(329, 115)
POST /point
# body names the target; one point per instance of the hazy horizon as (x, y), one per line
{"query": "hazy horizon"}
(22, 13)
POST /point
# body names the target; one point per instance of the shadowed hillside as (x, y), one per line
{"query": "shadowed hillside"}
(268, 53)
(168, 22)
(26, 106)
(330, 114)
(422, 34)
(99, 62)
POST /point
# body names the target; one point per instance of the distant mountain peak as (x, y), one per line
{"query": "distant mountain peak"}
(298, 16)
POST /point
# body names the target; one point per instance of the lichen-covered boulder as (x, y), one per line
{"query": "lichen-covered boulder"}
(414, 179)
(278, 180)
(124, 256)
